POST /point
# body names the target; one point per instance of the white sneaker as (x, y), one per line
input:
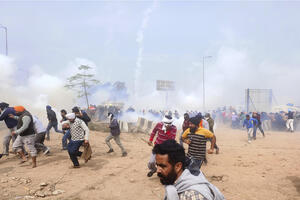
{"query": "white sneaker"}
(249, 141)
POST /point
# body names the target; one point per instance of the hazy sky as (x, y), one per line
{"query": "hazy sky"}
(252, 44)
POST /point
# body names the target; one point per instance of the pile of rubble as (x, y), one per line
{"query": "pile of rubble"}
(43, 190)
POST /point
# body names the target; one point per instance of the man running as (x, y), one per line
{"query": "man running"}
(185, 126)
(52, 122)
(196, 138)
(11, 124)
(165, 130)
(40, 133)
(249, 123)
(258, 125)
(211, 124)
(79, 136)
(114, 134)
(25, 134)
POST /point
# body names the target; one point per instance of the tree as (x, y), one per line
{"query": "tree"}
(81, 82)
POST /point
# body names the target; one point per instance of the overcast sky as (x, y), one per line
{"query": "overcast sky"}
(252, 44)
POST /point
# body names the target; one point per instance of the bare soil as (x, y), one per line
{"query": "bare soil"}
(268, 168)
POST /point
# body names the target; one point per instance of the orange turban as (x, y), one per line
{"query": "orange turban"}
(19, 108)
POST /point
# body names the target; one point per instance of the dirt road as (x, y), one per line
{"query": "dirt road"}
(269, 168)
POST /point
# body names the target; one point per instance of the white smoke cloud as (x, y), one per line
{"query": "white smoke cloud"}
(34, 92)
(140, 40)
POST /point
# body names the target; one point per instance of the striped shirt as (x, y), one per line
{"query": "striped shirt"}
(163, 135)
(197, 147)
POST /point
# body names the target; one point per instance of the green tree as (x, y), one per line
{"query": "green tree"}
(81, 82)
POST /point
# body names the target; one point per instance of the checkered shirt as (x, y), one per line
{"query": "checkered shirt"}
(77, 130)
(190, 195)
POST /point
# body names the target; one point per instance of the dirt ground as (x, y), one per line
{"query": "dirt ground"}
(268, 168)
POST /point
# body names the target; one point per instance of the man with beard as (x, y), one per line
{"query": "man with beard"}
(25, 134)
(179, 183)
(196, 138)
(165, 131)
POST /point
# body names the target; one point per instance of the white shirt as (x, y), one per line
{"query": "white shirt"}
(38, 125)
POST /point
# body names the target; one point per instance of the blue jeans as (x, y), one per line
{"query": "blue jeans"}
(66, 137)
(255, 129)
(50, 125)
(73, 150)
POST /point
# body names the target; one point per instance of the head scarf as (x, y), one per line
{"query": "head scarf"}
(70, 116)
(19, 108)
(167, 119)
(195, 121)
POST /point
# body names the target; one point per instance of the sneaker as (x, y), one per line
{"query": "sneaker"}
(110, 151)
(124, 154)
(47, 151)
(249, 141)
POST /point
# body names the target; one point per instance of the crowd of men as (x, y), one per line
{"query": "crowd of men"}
(179, 172)
(275, 121)
(26, 130)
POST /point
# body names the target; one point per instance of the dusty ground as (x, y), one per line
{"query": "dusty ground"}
(266, 169)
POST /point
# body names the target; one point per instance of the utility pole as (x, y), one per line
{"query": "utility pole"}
(204, 57)
(6, 44)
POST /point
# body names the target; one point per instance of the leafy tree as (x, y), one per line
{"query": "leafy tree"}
(81, 82)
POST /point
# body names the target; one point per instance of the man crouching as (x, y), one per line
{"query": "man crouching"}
(179, 183)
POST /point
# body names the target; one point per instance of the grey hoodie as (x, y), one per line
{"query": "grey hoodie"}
(187, 181)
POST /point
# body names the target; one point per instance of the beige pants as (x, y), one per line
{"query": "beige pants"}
(29, 140)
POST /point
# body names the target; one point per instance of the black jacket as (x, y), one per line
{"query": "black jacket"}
(51, 116)
(114, 127)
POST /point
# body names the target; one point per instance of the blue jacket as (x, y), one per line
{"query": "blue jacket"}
(10, 122)
(250, 123)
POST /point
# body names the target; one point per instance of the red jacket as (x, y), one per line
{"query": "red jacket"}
(161, 134)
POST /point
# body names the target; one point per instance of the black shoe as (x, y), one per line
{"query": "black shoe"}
(124, 154)
(150, 173)
(1, 155)
(110, 151)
